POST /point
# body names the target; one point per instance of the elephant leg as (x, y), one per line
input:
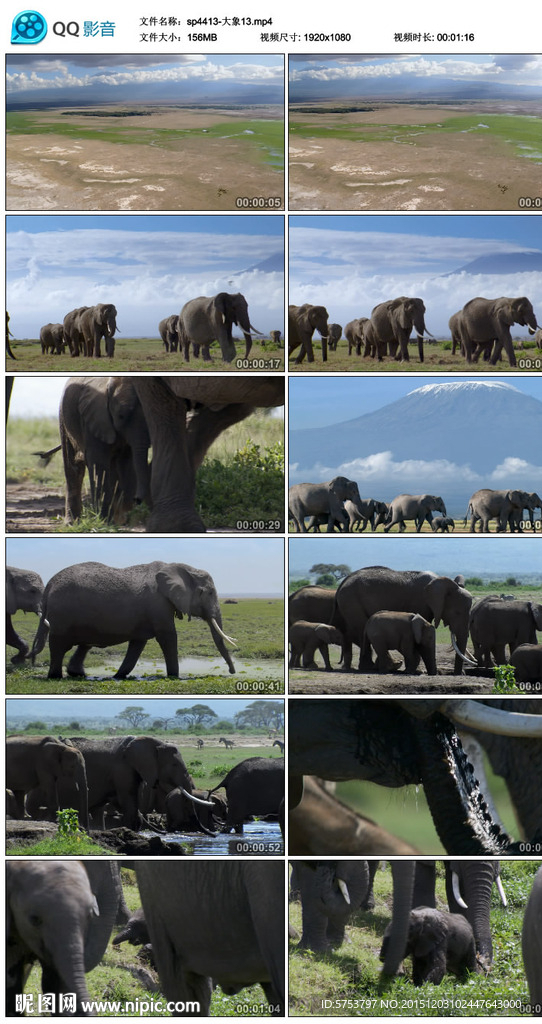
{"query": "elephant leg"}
(308, 655)
(324, 651)
(295, 656)
(57, 649)
(168, 646)
(14, 640)
(135, 647)
(75, 666)
(412, 660)
(74, 471)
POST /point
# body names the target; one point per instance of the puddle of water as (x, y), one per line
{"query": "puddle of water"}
(265, 834)
(267, 669)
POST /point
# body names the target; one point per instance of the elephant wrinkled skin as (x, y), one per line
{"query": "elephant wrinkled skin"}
(303, 321)
(24, 592)
(94, 605)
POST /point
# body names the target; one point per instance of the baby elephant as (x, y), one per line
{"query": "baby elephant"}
(438, 943)
(410, 634)
(306, 637)
(527, 662)
(442, 523)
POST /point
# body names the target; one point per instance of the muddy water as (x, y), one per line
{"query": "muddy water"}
(196, 667)
(261, 838)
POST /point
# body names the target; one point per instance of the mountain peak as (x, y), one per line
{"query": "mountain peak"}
(463, 386)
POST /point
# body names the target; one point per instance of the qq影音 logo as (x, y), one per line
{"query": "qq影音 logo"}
(28, 27)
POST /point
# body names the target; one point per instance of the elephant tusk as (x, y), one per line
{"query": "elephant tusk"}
(501, 892)
(456, 891)
(480, 716)
(196, 799)
(228, 639)
(466, 656)
(344, 889)
(256, 331)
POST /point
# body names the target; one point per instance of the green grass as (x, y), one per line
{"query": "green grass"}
(437, 357)
(353, 971)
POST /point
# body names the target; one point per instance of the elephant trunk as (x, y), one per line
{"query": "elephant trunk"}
(220, 639)
(248, 343)
(40, 638)
(324, 348)
(403, 873)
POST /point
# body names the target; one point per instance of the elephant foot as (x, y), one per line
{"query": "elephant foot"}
(75, 673)
(20, 658)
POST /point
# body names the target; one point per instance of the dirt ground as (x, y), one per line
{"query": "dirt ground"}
(455, 171)
(473, 682)
(33, 509)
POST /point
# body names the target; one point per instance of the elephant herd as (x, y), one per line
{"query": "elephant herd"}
(208, 924)
(382, 610)
(338, 505)
(455, 941)
(81, 332)
(481, 327)
(108, 425)
(119, 781)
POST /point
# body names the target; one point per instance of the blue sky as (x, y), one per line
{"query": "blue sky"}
(449, 556)
(319, 401)
(93, 708)
(321, 76)
(144, 78)
(242, 565)
(351, 263)
(150, 266)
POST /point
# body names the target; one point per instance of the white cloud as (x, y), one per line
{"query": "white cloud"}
(513, 469)
(380, 469)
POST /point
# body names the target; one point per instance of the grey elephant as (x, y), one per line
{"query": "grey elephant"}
(94, 605)
(183, 815)
(392, 323)
(334, 336)
(207, 319)
(339, 525)
(414, 506)
(486, 323)
(406, 632)
(24, 592)
(275, 337)
(442, 524)
(212, 923)
(115, 769)
(366, 511)
(506, 506)
(135, 930)
(531, 944)
(527, 662)
(312, 603)
(327, 498)
(95, 323)
(9, 335)
(254, 786)
(495, 624)
(439, 943)
(73, 336)
(378, 588)
(60, 914)
(168, 329)
(48, 770)
(303, 321)
(330, 892)
(52, 338)
(308, 637)
(354, 334)
(103, 428)
(185, 414)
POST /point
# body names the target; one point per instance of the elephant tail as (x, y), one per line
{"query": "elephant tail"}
(40, 638)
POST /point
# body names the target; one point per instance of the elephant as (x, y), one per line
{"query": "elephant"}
(377, 588)
(321, 824)
(334, 336)
(354, 334)
(531, 502)
(413, 741)
(169, 332)
(315, 522)
(527, 662)
(218, 922)
(182, 815)
(442, 524)
(495, 623)
(367, 510)
(312, 603)
(414, 506)
(391, 327)
(303, 321)
(308, 637)
(24, 592)
(184, 415)
(9, 351)
(93, 605)
(135, 930)
(73, 335)
(321, 499)
(51, 766)
(506, 506)
(486, 322)
(275, 337)
(254, 786)
(438, 943)
(115, 769)
(102, 427)
(97, 322)
(406, 632)
(330, 891)
(52, 338)
(531, 944)
(204, 320)
(60, 914)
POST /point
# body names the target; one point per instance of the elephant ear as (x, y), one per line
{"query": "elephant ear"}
(224, 307)
(181, 584)
(140, 754)
(11, 599)
(418, 626)
(397, 307)
(505, 312)
(121, 400)
(93, 405)
(437, 593)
